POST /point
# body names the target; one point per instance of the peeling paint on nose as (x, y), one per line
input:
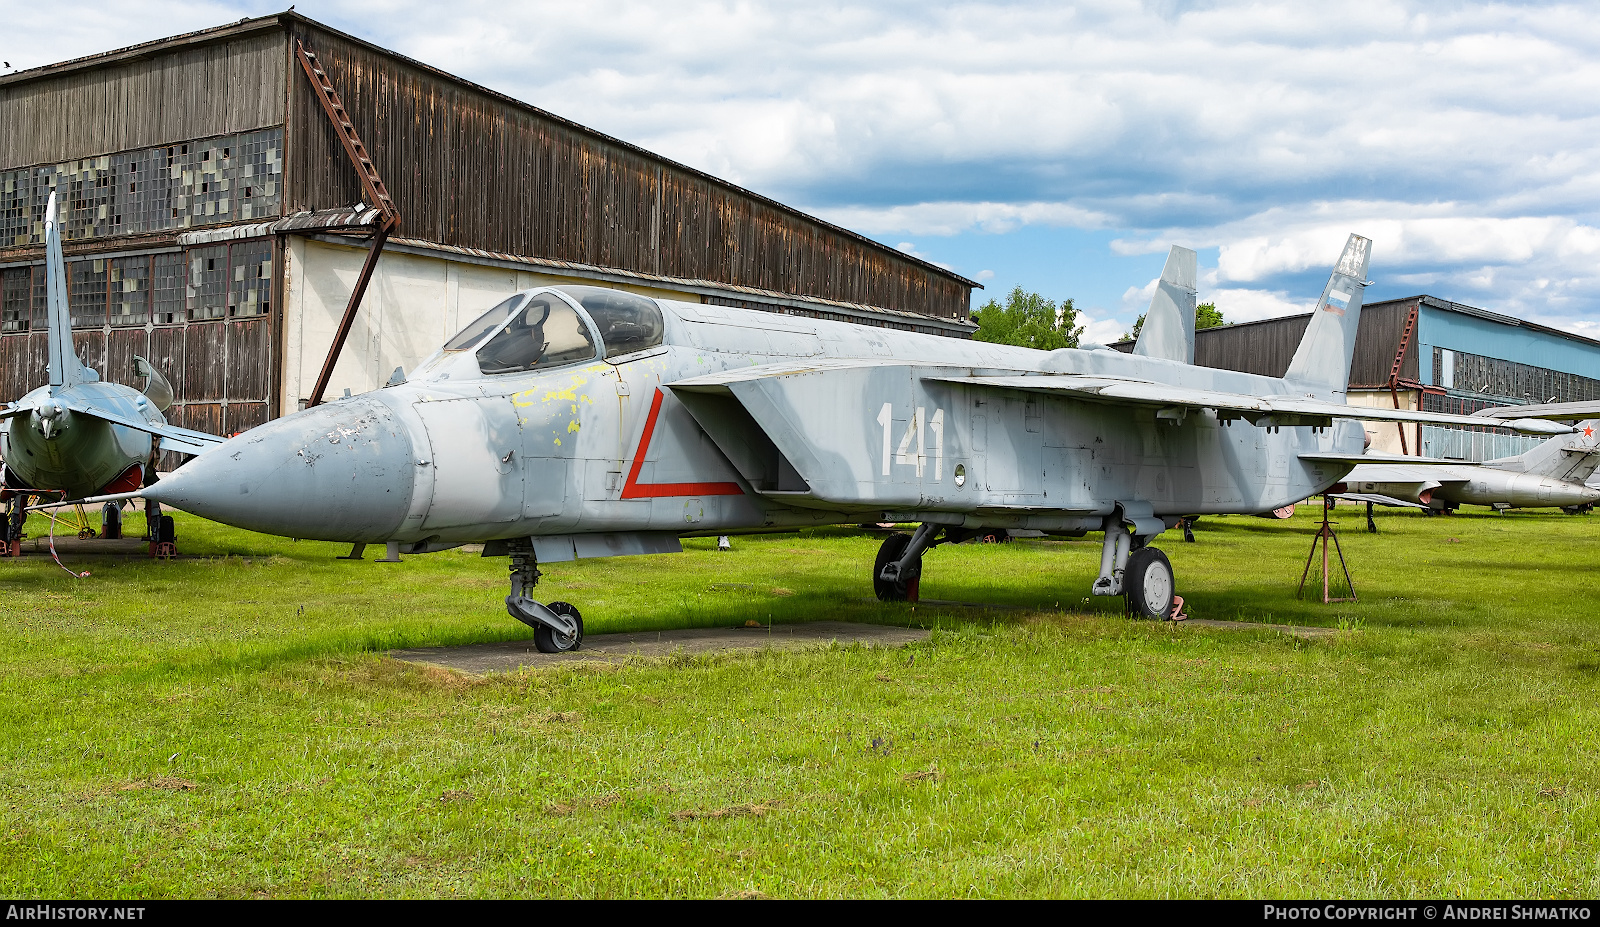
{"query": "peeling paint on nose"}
(337, 472)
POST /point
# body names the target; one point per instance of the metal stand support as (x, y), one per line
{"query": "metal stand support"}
(357, 552)
(1372, 526)
(1325, 533)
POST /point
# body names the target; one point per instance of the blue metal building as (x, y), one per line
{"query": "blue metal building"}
(1433, 354)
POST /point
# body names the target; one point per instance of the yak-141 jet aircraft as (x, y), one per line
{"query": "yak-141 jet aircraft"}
(577, 421)
(78, 435)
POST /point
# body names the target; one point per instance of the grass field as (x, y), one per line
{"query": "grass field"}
(230, 726)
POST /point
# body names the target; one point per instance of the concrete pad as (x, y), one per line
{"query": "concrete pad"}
(71, 546)
(615, 648)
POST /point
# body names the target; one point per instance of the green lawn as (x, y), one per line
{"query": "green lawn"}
(230, 726)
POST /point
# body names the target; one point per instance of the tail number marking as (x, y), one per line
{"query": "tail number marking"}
(916, 431)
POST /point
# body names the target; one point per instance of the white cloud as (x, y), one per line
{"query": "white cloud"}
(983, 275)
(1247, 305)
(1459, 136)
(1136, 299)
(951, 217)
(1102, 331)
(911, 249)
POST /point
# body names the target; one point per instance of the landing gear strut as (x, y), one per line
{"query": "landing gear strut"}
(16, 516)
(557, 627)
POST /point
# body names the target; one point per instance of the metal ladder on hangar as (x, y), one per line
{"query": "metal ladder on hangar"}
(377, 193)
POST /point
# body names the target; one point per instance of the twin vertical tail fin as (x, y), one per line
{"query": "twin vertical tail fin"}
(1168, 331)
(1322, 362)
(65, 368)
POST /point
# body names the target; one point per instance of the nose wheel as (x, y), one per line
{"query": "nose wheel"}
(557, 627)
(897, 572)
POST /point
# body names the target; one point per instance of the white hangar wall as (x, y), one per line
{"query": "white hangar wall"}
(414, 304)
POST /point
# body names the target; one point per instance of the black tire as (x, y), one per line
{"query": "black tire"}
(893, 547)
(1148, 584)
(168, 532)
(111, 521)
(548, 641)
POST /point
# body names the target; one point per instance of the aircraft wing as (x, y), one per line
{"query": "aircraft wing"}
(1568, 411)
(1393, 473)
(1362, 460)
(1376, 499)
(1162, 395)
(173, 438)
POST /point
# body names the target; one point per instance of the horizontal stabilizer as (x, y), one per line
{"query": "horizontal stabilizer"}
(1147, 393)
(173, 438)
(11, 411)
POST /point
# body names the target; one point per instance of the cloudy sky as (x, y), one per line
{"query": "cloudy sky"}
(1063, 147)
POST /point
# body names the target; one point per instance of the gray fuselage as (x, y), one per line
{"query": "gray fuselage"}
(864, 431)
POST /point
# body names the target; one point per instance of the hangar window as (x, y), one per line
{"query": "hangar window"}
(546, 333)
(627, 322)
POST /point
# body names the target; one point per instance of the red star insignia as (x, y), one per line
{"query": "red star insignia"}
(1588, 431)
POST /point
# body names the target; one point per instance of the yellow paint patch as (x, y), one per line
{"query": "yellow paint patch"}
(572, 426)
(570, 393)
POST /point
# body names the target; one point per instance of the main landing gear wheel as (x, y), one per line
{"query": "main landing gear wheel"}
(1148, 584)
(111, 521)
(549, 640)
(905, 589)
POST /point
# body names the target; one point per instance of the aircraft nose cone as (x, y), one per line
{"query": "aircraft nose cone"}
(338, 472)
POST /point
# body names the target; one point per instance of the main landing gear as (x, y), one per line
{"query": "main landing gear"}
(1141, 574)
(1128, 567)
(160, 531)
(557, 627)
(16, 516)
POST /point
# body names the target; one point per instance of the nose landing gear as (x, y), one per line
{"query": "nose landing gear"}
(897, 572)
(557, 627)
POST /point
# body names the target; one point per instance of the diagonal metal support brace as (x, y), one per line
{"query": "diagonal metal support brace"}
(376, 192)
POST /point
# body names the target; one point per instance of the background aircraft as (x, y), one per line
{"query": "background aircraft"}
(575, 421)
(78, 436)
(1551, 475)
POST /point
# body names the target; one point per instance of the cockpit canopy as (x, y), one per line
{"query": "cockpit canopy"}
(541, 329)
(627, 322)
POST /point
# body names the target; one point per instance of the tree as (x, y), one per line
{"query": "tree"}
(1206, 315)
(1028, 320)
